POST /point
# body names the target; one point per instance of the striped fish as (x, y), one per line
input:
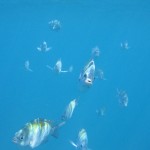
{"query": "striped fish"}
(82, 141)
(69, 110)
(35, 132)
(88, 74)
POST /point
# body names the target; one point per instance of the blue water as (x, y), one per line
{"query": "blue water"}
(42, 93)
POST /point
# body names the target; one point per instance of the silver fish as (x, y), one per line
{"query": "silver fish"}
(82, 140)
(55, 25)
(122, 97)
(101, 111)
(27, 66)
(125, 45)
(87, 76)
(44, 47)
(58, 67)
(95, 51)
(35, 132)
(69, 110)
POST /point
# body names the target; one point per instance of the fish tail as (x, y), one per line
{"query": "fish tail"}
(56, 128)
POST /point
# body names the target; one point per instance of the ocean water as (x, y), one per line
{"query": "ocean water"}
(26, 95)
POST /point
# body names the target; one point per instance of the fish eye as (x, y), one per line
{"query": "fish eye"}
(21, 137)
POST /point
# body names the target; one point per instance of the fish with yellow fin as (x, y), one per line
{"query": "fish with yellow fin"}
(35, 132)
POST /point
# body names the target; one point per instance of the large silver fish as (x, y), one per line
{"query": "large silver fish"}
(69, 110)
(88, 74)
(82, 141)
(35, 132)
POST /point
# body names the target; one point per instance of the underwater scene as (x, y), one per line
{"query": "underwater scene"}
(75, 75)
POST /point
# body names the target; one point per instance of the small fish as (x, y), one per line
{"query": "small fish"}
(101, 111)
(100, 74)
(35, 132)
(87, 76)
(69, 110)
(82, 140)
(124, 45)
(27, 66)
(58, 67)
(123, 97)
(95, 51)
(44, 47)
(55, 25)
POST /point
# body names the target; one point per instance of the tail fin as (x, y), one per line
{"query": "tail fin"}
(54, 131)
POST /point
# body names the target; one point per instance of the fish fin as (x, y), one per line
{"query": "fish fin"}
(72, 143)
(28, 69)
(63, 71)
(55, 132)
(55, 129)
(63, 118)
(76, 101)
(48, 49)
(39, 49)
(49, 67)
(61, 124)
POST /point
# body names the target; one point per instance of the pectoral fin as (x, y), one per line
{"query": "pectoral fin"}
(72, 143)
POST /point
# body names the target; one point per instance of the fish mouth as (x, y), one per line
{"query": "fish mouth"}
(14, 140)
(88, 81)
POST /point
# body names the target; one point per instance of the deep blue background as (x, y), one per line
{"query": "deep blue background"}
(25, 95)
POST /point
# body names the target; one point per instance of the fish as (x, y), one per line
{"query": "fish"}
(58, 67)
(82, 140)
(95, 52)
(35, 132)
(125, 45)
(101, 111)
(44, 47)
(123, 97)
(87, 76)
(69, 110)
(100, 74)
(55, 25)
(27, 66)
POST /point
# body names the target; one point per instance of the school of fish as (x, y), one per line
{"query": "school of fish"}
(35, 132)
